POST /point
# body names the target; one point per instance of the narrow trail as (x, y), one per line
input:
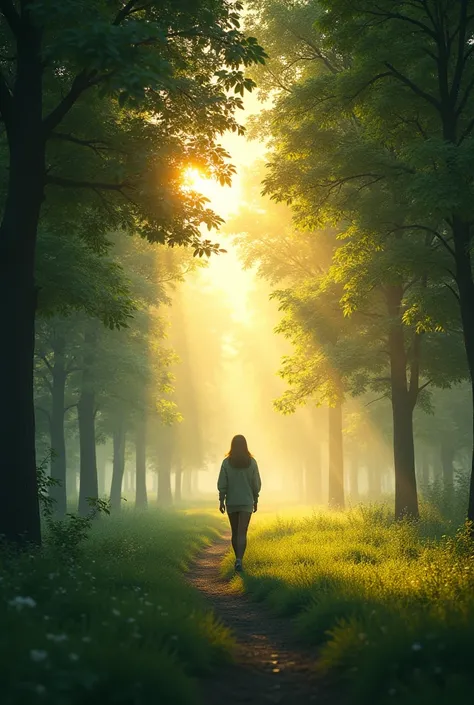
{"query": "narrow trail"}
(270, 667)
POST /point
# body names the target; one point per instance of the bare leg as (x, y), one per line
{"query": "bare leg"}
(234, 525)
(244, 521)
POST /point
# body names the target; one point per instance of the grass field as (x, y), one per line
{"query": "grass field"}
(390, 606)
(119, 624)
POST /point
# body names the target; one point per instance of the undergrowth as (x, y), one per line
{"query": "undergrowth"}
(390, 605)
(113, 622)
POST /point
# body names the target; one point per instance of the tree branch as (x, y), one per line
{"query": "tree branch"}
(416, 89)
(426, 384)
(81, 82)
(414, 387)
(461, 58)
(46, 362)
(72, 183)
(427, 229)
(96, 145)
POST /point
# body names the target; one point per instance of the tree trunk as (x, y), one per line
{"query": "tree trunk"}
(101, 454)
(165, 496)
(71, 484)
(187, 488)
(88, 484)
(447, 461)
(58, 444)
(462, 254)
(354, 477)
(195, 483)
(403, 403)
(336, 459)
(425, 469)
(141, 499)
(22, 117)
(177, 482)
(118, 464)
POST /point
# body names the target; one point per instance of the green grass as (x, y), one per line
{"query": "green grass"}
(118, 625)
(390, 606)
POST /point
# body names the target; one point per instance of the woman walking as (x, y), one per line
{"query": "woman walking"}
(239, 485)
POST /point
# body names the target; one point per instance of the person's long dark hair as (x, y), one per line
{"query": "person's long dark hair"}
(239, 455)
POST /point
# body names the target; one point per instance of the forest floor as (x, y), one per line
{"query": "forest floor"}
(269, 666)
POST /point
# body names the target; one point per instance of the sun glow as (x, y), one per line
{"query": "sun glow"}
(222, 199)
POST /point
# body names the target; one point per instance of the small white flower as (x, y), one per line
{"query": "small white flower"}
(416, 647)
(20, 602)
(131, 620)
(57, 638)
(116, 613)
(73, 657)
(38, 655)
(149, 604)
(86, 639)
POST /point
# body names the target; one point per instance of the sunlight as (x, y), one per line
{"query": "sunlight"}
(222, 199)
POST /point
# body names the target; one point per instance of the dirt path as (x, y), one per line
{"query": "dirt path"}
(270, 667)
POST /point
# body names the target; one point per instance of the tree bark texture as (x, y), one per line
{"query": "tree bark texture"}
(404, 396)
(22, 117)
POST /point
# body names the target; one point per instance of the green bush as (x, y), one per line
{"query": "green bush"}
(116, 623)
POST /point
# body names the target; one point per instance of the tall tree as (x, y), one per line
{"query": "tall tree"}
(413, 81)
(144, 56)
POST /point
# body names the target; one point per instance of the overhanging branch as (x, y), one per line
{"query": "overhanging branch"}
(416, 89)
(93, 185)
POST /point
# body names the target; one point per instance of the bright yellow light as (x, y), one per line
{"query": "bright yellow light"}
(222, 199)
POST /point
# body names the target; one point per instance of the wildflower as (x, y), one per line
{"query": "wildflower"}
(130, 620)
(38, 655)
(116, 613)
(416, 647)
(86, 639)
(149, 604)
(57, 638)
(73, 657)
(20, 602)
(164, 614)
